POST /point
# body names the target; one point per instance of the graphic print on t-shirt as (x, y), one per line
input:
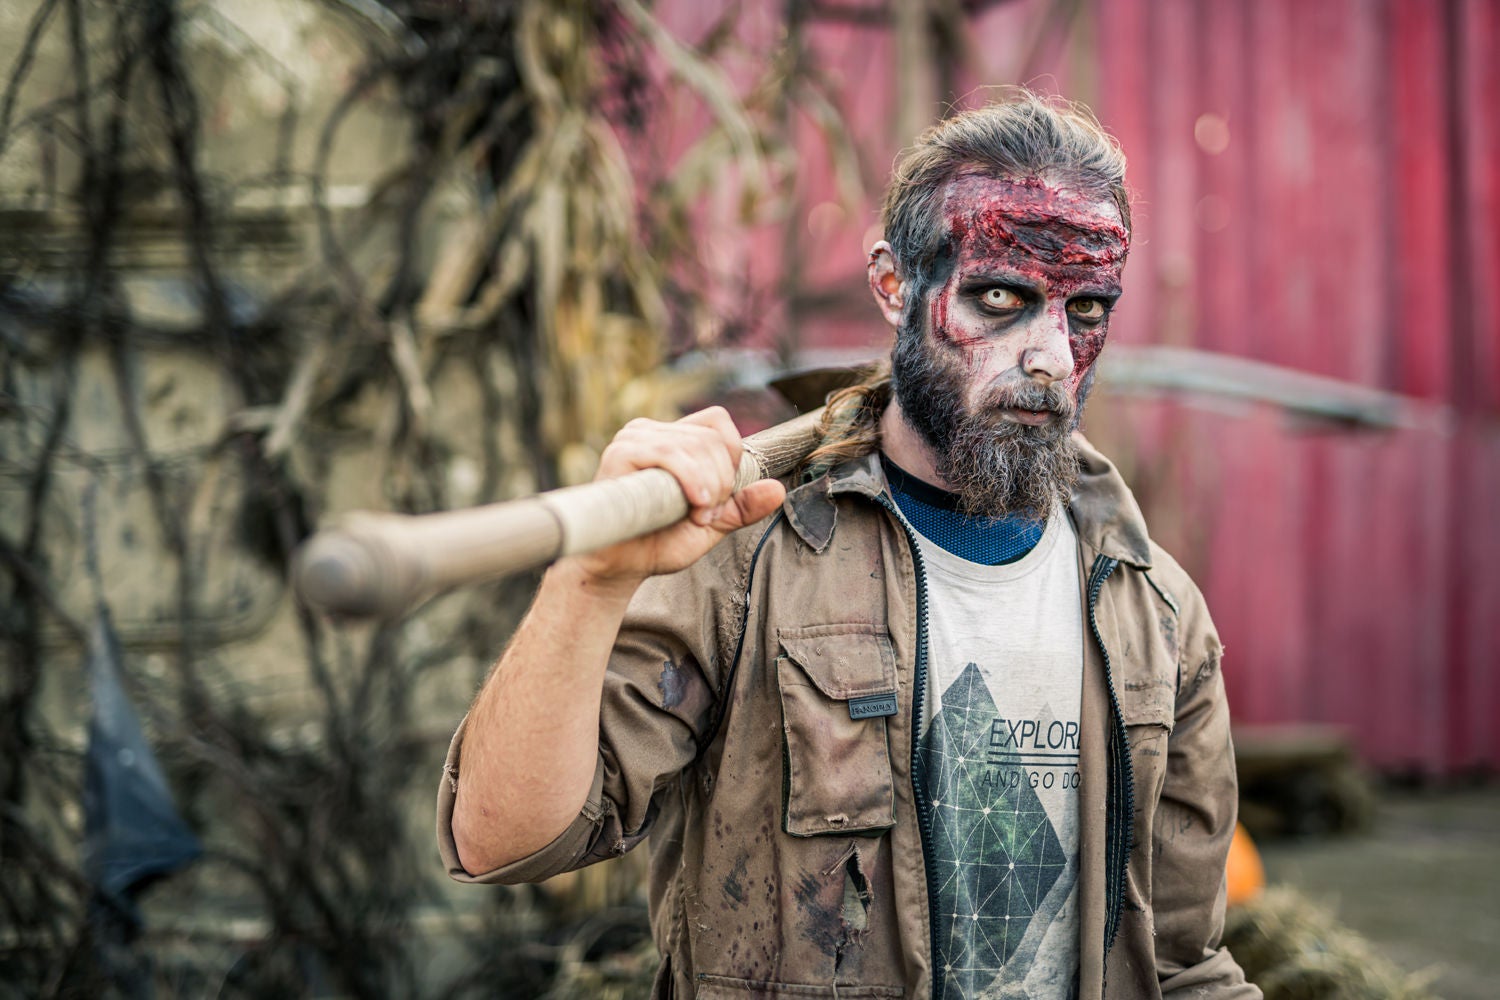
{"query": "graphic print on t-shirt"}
(1005, 878)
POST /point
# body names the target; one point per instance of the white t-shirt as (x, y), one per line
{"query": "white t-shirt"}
(1000, 747)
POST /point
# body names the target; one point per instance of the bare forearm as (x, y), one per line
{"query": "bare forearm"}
(531, 743)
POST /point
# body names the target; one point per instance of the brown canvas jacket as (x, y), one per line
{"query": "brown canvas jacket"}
(787, 855)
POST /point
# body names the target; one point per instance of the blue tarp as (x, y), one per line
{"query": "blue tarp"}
(132, 831)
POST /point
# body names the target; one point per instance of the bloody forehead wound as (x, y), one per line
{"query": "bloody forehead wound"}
(1055, 224)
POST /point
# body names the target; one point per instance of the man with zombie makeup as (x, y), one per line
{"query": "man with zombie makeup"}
(935, 718)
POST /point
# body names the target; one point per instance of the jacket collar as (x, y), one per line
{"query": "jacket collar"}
(1105, 514)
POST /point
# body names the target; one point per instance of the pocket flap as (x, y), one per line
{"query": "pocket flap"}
(1148, 701)
(843, 661)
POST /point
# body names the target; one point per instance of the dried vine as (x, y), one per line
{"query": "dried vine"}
(561, 290)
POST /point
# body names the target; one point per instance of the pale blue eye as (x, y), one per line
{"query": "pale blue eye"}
(1001, 298)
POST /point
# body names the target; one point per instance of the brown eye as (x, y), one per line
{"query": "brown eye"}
(1088, 310)
(1001, 298)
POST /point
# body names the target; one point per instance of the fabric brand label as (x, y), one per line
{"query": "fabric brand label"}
(873, 706)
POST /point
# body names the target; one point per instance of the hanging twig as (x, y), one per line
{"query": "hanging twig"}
(22, 66)
(293, 408)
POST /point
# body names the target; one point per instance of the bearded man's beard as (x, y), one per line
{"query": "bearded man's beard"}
(995, 466)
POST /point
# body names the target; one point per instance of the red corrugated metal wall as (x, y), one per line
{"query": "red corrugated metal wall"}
(1316, 186)
(1318, 189)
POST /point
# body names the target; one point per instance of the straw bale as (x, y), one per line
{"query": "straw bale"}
(1294, 949)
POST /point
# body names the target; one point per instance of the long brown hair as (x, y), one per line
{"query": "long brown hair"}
(851, 422)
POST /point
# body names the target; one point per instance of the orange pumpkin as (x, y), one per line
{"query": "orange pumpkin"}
(1246, 874)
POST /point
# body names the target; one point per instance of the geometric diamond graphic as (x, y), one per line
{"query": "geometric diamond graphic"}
(994, 849)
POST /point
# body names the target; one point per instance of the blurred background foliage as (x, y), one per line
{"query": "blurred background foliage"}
(263, 263)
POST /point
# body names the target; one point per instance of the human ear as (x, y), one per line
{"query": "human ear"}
(885, 284)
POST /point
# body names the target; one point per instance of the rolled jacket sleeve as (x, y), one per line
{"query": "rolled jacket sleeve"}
(660, 697)
(564, 853)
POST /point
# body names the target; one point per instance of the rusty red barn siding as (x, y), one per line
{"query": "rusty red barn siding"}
(1349, 228)
(1317, 185)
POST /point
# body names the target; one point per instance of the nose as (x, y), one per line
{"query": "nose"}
(1047, 355)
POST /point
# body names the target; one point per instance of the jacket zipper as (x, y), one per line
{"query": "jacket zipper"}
(1119, 811)
(918, 775)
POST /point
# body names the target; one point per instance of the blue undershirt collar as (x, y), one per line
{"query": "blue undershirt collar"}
(935, 513)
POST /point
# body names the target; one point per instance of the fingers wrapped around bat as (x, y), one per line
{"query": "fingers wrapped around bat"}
(701, 451)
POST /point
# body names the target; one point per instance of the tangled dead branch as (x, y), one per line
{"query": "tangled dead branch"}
(508, 250)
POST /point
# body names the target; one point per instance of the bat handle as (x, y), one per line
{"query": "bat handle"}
(378, 564)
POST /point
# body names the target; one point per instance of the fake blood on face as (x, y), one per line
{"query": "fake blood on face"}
(1031, 261)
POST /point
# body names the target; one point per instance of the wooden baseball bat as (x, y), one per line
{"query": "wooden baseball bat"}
(378, 565)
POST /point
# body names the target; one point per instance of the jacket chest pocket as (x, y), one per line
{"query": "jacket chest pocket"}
(1147, 707)
(838, 686)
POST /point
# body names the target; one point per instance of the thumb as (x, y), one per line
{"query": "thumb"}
(751, 504)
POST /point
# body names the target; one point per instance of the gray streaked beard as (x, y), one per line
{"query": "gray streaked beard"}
(995, 466)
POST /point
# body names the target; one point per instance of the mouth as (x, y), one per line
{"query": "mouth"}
(1031, 418)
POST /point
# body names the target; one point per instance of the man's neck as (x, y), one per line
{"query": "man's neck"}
(906, 448)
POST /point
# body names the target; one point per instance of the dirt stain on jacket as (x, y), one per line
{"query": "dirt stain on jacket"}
(734, 886)
(672, 685)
